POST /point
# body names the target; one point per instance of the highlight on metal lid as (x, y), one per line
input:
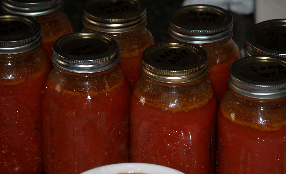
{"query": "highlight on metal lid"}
(19, 34)
(267, 38)
(262, 77)
(114, 16)
(32, 7)
(200, 24)
(85, 52)
(174, 62)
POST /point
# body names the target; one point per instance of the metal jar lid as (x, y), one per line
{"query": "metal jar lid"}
(262, 77)
(85, 52)
(19, 34)
(32, 8)
(267, 38)
(114, 16)
(200, 24)
(174, 62)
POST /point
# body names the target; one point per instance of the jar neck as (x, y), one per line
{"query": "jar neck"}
(261, 114)
(49, 16)
(173, 97)
(87, 75)
(21, 55)
(192, 83)
(86, 28)
(216, 43)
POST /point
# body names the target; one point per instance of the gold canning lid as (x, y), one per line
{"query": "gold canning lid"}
(114, 16)
(174, 62)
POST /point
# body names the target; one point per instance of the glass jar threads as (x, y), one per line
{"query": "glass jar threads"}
(85, 105)
(49, 13)
(126, 22)
(173, 109)
(210, 27)
(24, 68)
(252, 118)
(266, 38)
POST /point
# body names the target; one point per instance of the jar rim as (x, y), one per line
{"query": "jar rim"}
(174, 62)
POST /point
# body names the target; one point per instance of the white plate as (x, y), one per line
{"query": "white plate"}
(133, 168)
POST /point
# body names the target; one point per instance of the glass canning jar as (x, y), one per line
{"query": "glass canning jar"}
(252, 118)
(85, 105)
(266, 38)
(49, 13)
(125, 20)
(209, 27)
(24, 68)
(173, 110)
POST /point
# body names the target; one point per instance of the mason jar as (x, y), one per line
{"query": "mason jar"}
(173, 109)
(85, 106)
(24, 68)
(266, 38)
(126, 21)
(252, 118)
(49, 13)
(211, 28)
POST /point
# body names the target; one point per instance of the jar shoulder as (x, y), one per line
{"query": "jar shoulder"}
(23, 65)
(221, 52)
(134, 41)
(173, 96)
(55, 24)
(87, 83)
(258, 113)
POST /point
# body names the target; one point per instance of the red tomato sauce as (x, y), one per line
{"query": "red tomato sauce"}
(20, 123)
(48, 41)
(53, 26)
(131, 46)
(131, 66)
(182, 143)
(218, 76)
(245, 149)
(79, 141)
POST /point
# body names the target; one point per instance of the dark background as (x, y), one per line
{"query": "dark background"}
(158, 12)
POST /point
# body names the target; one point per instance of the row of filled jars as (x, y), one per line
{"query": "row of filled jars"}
(102, 104)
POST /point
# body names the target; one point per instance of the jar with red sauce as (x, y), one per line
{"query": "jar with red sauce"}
(252, 118)
(173, 110)
(211, 28)
(49, 13)
(126, 21)
(266, 38)
(85, 105)
(24, 68)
